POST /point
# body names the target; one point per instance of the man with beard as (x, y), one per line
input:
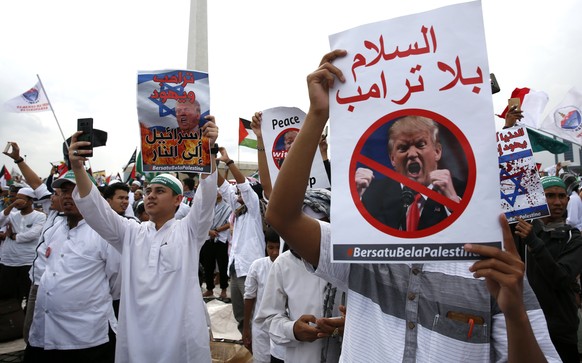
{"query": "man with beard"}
(414, 150)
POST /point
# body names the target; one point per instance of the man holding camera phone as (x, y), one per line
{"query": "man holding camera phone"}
(161, 317)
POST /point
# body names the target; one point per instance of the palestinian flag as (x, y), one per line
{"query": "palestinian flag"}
(138, 169)
(246, 136)
(62, 168)
(5, 177)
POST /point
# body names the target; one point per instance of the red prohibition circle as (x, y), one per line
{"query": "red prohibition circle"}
(358, 158)
(278, 151)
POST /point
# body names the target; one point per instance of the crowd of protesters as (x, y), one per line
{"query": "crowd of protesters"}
(120, 272)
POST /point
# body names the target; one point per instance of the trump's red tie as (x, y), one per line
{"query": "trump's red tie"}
(413, 214)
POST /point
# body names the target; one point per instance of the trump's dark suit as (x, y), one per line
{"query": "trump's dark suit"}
(383, 200)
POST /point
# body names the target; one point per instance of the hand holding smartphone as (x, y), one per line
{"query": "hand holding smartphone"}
(514, 104)
(86, 125)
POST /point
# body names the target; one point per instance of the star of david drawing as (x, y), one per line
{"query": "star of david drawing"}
(163, 109)
(517, 191)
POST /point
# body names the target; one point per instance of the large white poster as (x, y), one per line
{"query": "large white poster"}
(414, 140)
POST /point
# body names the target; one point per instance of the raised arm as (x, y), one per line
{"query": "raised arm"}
(285, 205)
(231, 165)
(264, 174)
(210, 131)
(29, 175)
(77, 158)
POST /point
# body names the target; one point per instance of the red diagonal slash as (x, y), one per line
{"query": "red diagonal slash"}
(450, 204)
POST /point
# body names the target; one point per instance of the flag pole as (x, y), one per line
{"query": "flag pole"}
(53, 111)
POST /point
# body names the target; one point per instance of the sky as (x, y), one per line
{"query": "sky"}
(260, 53)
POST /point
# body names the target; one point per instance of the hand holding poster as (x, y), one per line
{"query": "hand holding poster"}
(172, 106)
(279, 128)
(412, 129)
(522, 194)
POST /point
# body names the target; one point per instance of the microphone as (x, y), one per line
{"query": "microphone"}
(407, 196)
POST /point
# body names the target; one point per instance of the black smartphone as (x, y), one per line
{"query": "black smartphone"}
(494, 84)
(86, 125)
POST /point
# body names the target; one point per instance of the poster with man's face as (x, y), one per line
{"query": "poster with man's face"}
(522, 194)
(171, 107)
(279, 128)
(414, 140)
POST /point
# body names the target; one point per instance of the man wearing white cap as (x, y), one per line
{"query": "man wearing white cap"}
(161, 317)
(24, 225)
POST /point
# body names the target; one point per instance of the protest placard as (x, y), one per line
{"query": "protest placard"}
(413, 140)
(171, 107)
(522, 194)
(279, 128)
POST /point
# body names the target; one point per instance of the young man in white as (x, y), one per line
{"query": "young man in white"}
(161, 317)
(255, 339)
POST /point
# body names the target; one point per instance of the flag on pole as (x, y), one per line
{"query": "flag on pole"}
(5, 177)
(33, 100)
(61, 167)
(540, 142)
(532, 104)
(565, 120)
(139, 164)
(246, 136)
(129, 173)
(131, 159)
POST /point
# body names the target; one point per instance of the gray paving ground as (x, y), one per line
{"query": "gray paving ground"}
(220, 317)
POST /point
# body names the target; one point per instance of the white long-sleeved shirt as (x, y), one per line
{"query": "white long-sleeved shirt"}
(575, 211)
(255, 282)
(248, 240)
(21, 251)
(73, 305)
(292, 291)
(161, 315)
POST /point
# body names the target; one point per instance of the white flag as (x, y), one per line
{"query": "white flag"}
(565, 120)
(33, 100)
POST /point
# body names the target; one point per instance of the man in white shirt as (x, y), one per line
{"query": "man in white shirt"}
(255, 338)
(215, 250)
(248, 239)
(73, 309)
(23, 227)
(161, 317)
